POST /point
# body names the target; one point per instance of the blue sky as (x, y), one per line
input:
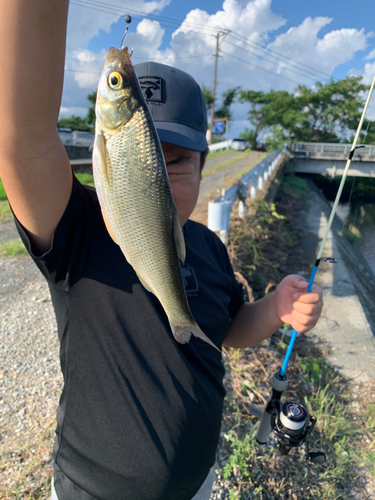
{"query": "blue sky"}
(268, 44)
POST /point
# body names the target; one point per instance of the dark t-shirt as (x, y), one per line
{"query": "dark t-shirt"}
(139, 416)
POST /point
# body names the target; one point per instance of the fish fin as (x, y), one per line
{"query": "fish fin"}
(105, 164)
(144, 283)
(179, 237)
(182, 335)
(108, 226)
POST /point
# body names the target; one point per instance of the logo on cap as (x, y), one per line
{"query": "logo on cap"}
(151, 87)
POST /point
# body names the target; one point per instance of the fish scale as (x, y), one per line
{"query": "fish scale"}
(134, 192)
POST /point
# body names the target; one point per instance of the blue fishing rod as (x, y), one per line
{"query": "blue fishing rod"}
(290, 421)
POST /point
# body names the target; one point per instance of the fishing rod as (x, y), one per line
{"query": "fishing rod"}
(290, 421)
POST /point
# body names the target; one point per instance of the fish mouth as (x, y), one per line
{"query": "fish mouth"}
(120, 55)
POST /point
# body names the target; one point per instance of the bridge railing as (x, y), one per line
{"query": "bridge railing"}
(325, 147)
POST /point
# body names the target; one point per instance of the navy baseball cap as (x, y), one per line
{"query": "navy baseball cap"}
(176, 103)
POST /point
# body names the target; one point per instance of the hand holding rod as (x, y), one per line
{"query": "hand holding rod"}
(333, 211)
(280, 380)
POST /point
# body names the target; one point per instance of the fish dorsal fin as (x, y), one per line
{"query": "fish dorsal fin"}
(108, 226)
(104, 162)
(179, 237)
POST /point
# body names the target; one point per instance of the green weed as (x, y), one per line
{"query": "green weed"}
(3, 195)
(13, 248)
(239, 462)
(87, 179)
(296, 184)
(5, 212)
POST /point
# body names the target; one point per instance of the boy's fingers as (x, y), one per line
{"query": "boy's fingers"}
(307, 298)
(303, 323)
(307, 308)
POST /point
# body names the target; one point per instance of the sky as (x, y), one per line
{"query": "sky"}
(263, 44)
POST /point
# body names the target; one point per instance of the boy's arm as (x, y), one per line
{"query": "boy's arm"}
(34, 166)
(256, 321)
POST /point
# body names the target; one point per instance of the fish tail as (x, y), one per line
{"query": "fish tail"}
(183, 334)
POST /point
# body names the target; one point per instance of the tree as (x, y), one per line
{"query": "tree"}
(321, 113)
(78, 123)
(91, 117)
(207, 94)
(73, 122)
(257, 114)
(228, 98)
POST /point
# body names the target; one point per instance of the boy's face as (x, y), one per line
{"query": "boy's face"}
(184, 172)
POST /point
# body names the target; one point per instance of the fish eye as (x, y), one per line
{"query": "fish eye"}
(115, 80)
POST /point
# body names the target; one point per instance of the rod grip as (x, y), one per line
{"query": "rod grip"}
(279, 383)
(264, 429)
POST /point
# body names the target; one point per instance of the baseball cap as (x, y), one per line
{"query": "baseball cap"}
(176, 103)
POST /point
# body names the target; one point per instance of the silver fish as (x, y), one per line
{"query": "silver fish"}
(134, 192)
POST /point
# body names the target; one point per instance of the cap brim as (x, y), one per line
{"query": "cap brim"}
(182, 136)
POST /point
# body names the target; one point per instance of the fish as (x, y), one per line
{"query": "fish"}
(134, 193)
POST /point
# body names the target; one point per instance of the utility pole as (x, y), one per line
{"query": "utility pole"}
(213, 89)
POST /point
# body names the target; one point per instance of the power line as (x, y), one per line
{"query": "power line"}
(211, 31)
(172, 22)
(259, 67)
(208, 30)
(110, 9)
(301, 71)
(250, 42)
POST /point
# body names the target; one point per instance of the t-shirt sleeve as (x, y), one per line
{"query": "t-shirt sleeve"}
(80, 227)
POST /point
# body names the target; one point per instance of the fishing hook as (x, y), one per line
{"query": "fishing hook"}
(128, 20)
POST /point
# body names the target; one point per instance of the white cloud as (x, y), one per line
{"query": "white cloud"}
(371, 55)
(319, 56)
(85, 23)
(367, 73)
(247, 56)
(342, 44)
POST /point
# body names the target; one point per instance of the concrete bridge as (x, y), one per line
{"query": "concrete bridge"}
(326, 158)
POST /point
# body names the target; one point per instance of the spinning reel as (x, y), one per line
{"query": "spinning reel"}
(289, 421)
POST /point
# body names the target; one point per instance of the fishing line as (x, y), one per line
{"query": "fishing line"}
(290, 421)
(352, 187)
(329, 224)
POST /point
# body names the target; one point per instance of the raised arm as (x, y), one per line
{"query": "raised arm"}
(34, 166)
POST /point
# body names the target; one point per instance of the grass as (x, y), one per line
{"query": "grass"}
(87, 179)
(5, 212)
(13, 248)
(3, 195)
(226, 163)
(218, 154)
(345, 428)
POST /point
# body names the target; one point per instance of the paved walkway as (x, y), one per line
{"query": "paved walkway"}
(348, 320)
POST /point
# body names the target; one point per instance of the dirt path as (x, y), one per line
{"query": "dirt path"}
(212, 185)
(8, 231)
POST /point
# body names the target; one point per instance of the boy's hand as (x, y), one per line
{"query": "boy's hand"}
(296, 307)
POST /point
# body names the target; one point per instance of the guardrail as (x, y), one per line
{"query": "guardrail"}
(218, 146)
(219, 210)
(324, 147)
